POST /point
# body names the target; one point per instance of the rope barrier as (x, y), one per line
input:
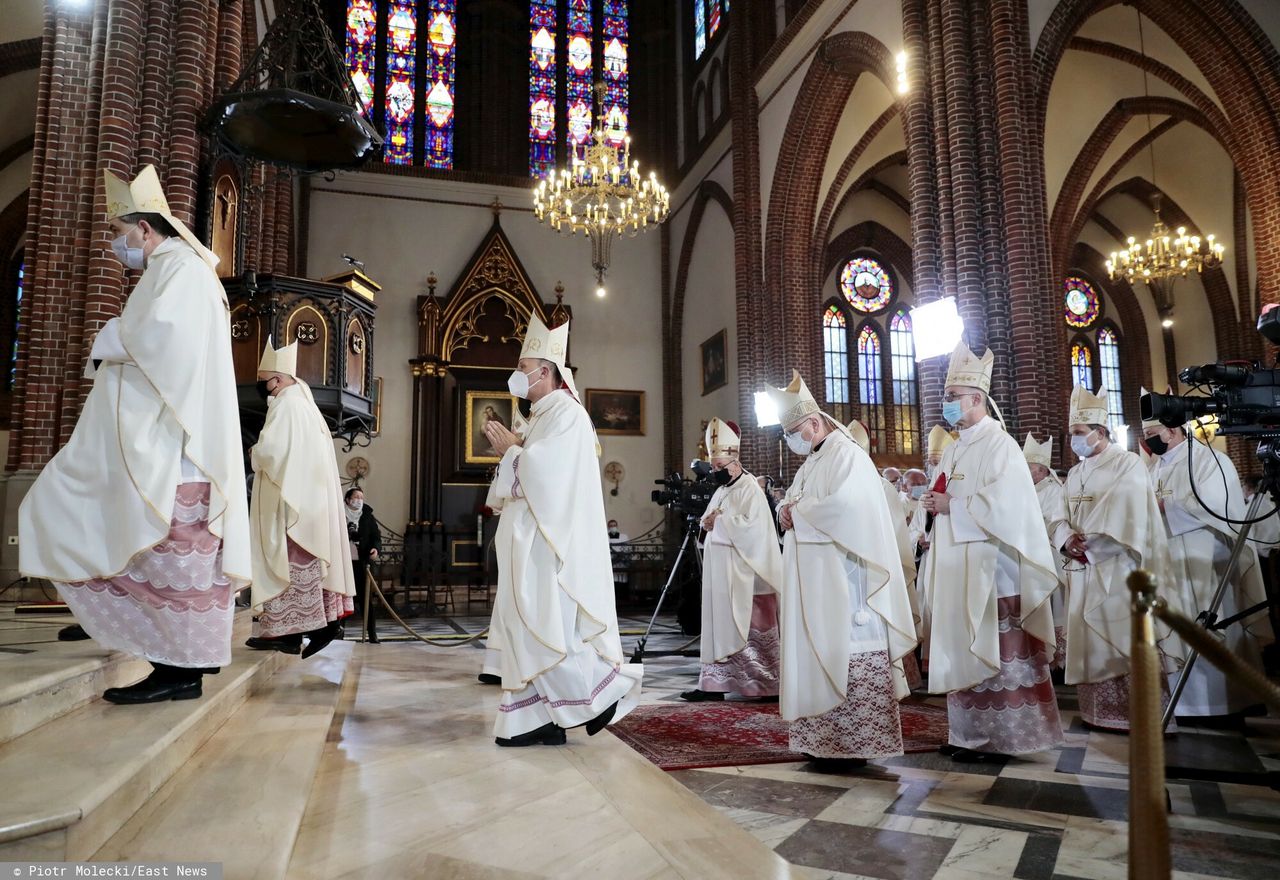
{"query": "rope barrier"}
(467, 638)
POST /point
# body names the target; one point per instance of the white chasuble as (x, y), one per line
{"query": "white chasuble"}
(1052, 496)
(841, 574)
(555, 611)
(1110, 502)
(297, 495)
(109, 493)
(1199, 547)
(742, 559)
(992, 544)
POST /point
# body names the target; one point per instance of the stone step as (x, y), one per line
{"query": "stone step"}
(257, 769)
(72, 783)
(51, 678)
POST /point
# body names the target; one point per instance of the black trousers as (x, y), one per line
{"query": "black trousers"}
(360, 570)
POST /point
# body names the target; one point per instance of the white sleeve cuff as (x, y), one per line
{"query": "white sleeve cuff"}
(963, 529)
(107, 345)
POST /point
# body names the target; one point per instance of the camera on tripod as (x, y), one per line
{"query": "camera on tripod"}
(1244, 396)
(686, 496)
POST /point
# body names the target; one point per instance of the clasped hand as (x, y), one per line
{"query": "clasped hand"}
(936, 502)
(499, 437)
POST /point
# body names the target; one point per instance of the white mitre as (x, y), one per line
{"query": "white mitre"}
(1087, 408)
(549, 345)
(968, 369)
(1037, 453)
(795, 402)
(858, 432)
(939, 439)
(146, 196)
(280, 360)
(722, 439)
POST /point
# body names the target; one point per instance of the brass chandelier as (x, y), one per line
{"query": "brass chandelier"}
(601, 195)
(1161, 259)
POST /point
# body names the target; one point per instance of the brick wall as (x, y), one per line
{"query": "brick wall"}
(122, 83)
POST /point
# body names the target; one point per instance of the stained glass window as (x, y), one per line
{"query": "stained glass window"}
(1080, 302)
(1109, 366)
(442, 34)
(902, 362)
(713, 18)
(866, 285)
(836, 355)
(402, 49)
(616, 75)
(1081, 365)
(578, 76)
(17, 325)
(699, 28)
(362, 22)
(869, 365)
(542, 87)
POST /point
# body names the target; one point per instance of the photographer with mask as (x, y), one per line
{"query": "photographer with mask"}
(366, 543)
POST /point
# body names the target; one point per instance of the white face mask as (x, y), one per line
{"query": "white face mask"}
(518, 384)
(1081, 446)
(356, 506)
(798, 444)
(133, 257)
(917, 491)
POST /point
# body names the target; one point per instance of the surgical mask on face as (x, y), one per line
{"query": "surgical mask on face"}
(132, 257)
(518, 384)
(721, 477)
(918, 491)
(798, 444)
(1157, 445)
(1081, 446)
(264, 390)
(952, 411)
(356, 506)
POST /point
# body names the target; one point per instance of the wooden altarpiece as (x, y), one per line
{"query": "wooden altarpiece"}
(468, 344)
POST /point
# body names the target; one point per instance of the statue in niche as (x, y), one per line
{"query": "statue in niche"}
(226, 199)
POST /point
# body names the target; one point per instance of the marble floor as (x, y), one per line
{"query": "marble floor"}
(409, 784)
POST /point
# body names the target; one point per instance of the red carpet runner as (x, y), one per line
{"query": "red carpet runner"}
(686, 736)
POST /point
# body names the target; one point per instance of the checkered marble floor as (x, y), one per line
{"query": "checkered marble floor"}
(1053, 816)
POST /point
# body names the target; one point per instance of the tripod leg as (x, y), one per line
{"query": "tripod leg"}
(638, 656)
(1223, 583)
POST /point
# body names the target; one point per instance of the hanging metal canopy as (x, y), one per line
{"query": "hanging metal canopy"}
(294, 104)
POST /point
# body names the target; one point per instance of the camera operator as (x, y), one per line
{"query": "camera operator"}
(366, 543)
(1199, 549)
(741, 570)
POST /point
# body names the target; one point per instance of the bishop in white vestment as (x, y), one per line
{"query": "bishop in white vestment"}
(302, 578)
(1199, 547)
(140, 520)
(987, 576)
(562, 663)
(1053, 508)
(741, 570)
(1112, 527)
(846, 616)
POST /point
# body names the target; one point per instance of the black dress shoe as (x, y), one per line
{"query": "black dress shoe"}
(601, 721)
(319, 639)
(489, 678)
(835, 765)
(700, 696)
(969, 756)
(73, 633)
(284, 647)
(153, 690)
(772, 699)
(373, 639)
(546, 735)
(948, 749)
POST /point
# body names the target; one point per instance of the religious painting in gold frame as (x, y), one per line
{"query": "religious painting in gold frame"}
(480, 407)
(620, 413)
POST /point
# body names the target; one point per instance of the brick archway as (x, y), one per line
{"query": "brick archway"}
(790, 252)
(873, 236)
(1241, 66)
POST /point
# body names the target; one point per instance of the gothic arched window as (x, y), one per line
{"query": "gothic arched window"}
(583, 37)
(415, 72)
(1081, 364)
(1109, 368)
(902, 362)
(868, 365)
(708, 16)
(835, 355)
